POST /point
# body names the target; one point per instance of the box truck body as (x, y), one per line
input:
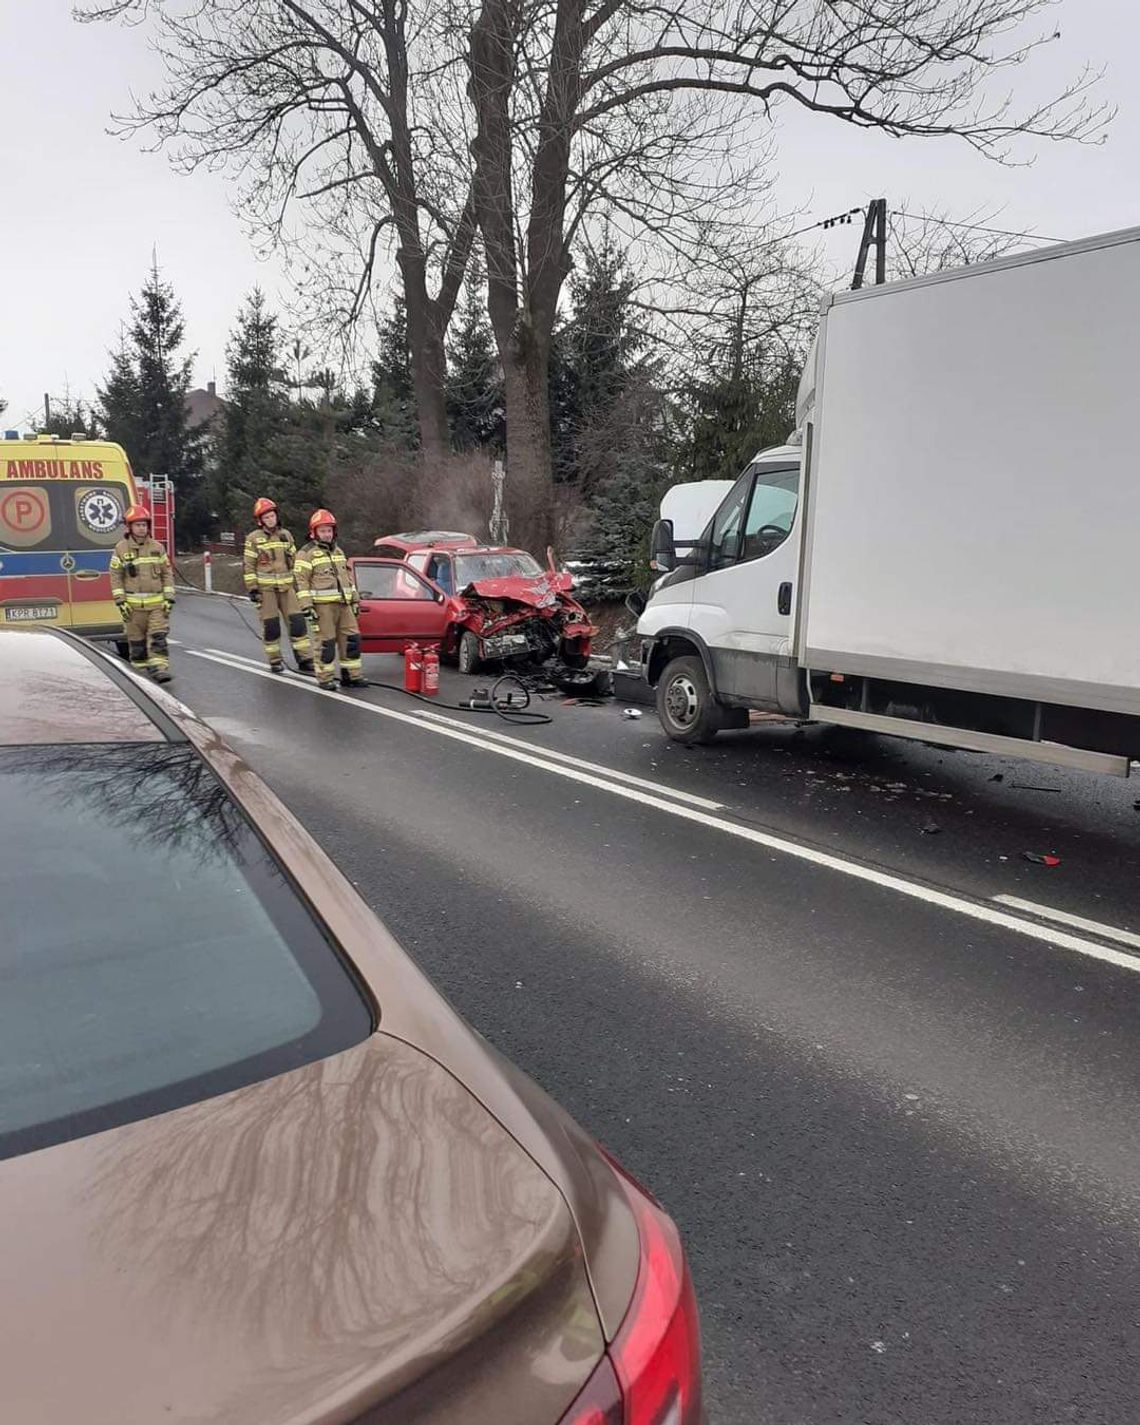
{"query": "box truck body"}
(953, 544)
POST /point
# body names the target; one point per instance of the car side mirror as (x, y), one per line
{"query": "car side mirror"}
(635, 602)
(662, 550)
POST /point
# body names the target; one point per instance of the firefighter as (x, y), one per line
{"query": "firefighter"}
(270, 552)
(142, 585)
(330, 601)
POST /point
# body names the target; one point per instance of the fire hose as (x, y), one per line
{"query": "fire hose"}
(512, 705)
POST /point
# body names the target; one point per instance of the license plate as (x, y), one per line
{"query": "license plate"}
(30, 613)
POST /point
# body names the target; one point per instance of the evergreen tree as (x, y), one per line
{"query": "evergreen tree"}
(393, 395)
(252, 454)
(609, 421)
(143, 403)
(475, 400)
(119, 399)
(69, 418)
(746, 406)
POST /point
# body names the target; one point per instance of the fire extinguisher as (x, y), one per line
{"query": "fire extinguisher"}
(431, 672)
(413, 668)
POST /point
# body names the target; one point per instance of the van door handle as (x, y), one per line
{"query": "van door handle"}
(86, 574)
(784, 599)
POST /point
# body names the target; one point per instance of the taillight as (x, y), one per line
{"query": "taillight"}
(652, 1372)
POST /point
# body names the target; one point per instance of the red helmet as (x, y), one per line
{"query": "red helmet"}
(262, 507)
(318, 518)
(136, 512)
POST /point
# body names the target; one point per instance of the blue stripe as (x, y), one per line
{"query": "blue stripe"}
(15, 563)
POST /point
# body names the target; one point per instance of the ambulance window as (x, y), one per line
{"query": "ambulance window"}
(152, 952)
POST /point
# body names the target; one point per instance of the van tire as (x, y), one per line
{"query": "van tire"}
(685, 702)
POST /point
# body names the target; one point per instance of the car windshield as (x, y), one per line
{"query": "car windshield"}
(471, 568)
(152, 953)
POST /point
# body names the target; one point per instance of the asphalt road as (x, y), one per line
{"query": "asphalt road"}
(894, 1116)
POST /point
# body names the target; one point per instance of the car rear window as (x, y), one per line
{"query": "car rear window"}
(152, 952)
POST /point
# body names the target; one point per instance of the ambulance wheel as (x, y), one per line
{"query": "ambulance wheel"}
(685, 702)
(469, 660)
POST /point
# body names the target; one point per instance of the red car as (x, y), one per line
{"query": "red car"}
(500, 603)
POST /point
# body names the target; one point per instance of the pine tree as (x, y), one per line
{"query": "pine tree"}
(392, 390)
(69, 418)
(745, 406)
(609, 435)
(475, 400)
(143, 403)
(118, 400)
(249, 455)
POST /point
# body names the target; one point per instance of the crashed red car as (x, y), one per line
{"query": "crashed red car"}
(508, 608)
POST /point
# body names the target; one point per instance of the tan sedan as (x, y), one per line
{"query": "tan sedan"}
(256, 1171)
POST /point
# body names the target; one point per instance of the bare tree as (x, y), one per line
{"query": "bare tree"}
(332, 106)
(648, 109)
(923, 242)
(417, 119)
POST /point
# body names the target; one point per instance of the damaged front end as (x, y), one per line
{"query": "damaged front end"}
(529, 621)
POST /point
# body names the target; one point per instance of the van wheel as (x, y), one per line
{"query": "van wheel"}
(468, 659)
(685, 704)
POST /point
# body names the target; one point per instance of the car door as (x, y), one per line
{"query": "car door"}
(743, 602)
(440, 570)
(398, 606)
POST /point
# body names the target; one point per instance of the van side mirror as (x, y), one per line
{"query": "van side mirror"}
(635, 602)
(662, 550)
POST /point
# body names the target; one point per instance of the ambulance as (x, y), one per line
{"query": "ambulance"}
(61, 514)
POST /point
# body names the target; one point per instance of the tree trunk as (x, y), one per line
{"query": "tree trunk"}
(529, 489)
(429, 379)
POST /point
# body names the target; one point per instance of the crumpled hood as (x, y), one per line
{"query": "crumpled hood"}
(539, 591)
(292, 1253)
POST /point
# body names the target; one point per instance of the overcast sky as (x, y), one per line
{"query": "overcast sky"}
(82, 210)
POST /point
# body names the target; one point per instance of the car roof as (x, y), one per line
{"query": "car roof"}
(429, 539)
(55, 689)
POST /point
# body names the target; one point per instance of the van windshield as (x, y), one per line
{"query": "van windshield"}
(152, 953)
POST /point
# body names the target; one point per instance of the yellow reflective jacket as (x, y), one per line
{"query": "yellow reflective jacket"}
(323, 575)
(141, 573)
(269, 556)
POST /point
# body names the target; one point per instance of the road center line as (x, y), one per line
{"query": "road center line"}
(985, 912)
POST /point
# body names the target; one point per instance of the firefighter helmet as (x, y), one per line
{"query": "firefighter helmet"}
(263, 507)
(318, 518)
(136, 512)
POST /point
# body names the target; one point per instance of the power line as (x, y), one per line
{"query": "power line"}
(973, 227)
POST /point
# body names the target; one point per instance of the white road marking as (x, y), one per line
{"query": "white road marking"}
(982, 911)
(1078, 922)
(538, 751)
(550, 755)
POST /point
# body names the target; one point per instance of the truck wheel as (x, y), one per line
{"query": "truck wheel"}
(685, 704)
(469, 659)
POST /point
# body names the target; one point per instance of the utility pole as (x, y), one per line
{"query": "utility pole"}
(874, 232)
(47, 410)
